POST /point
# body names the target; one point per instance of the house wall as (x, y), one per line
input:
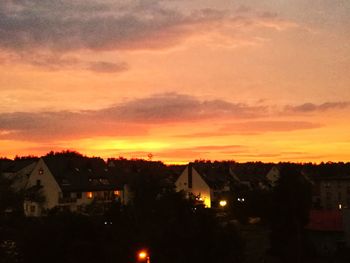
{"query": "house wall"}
(334, 192)
(50, 188)
(199, 186)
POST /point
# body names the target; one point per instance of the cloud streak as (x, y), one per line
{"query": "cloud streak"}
(66, 26)
(136, 117)
(310, 107)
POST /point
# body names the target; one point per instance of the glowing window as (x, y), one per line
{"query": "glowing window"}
(117, 193)
(89, 195)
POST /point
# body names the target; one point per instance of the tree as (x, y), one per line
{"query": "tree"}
(290, 213)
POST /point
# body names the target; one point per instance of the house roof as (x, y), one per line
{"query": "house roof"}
(325, 220)
(216, 176)
(251, 172)
(76, 173)
(17, 165)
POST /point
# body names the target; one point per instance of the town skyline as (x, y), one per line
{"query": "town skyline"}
(231, 80)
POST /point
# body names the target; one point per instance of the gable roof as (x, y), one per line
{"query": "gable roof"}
(17, 165)
(76, 173)
(216, 176)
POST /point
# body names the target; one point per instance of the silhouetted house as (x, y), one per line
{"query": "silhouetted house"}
(206, 184)
(69, 184)
(252, 176)
(18, 172)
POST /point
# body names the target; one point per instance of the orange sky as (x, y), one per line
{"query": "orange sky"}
(235, 80)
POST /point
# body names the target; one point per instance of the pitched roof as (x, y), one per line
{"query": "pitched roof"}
(75, 173)
(251, 171)
(216, 176)
(17, 165)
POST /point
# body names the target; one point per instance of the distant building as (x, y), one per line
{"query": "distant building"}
(208, 185)
(331, 192)
(69, 184)
(192, 183)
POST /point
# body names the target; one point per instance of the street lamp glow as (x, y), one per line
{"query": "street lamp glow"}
(223, 203)
(144, 256)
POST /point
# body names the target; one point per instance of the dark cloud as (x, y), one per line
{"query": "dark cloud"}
(310, 107)
(125, 119)
(63, 26)
(137, 116)
(173, 107)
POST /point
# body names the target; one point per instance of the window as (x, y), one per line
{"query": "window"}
(89, 195)
(117, 193)
(32, 208)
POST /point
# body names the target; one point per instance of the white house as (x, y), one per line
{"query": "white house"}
(192, 183)
(68, 183)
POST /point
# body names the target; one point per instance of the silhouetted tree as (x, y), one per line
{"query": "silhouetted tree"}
(290, 213)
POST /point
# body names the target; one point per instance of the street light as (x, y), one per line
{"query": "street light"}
(223, 203)
(143, 255)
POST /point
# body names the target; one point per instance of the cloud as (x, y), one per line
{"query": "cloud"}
(130, 118)
(310, 107)
(174, 107)
(136, 117)
(65, 26)
(55, 61)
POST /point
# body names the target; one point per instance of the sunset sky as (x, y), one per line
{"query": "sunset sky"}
(243, 80)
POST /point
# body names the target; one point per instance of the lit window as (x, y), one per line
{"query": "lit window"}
(89, 195)
(116, 193)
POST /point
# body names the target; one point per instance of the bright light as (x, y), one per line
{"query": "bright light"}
(242, 199)
(142, 255)
(239, 199)
(89, 195)
(223, 203)
(340, 206)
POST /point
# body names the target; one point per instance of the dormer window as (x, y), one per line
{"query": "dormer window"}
(41, 171)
